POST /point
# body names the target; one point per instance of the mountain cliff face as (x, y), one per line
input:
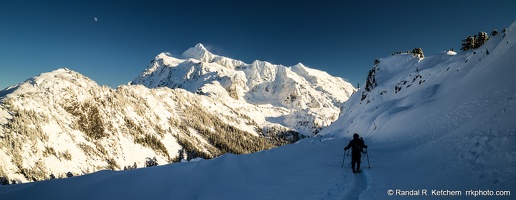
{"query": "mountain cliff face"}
(62, 121)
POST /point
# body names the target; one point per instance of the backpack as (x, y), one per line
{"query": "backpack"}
(356, 145)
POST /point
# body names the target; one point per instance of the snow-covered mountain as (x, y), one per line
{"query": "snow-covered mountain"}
(62, 121)
(308, 94)
(443, 125)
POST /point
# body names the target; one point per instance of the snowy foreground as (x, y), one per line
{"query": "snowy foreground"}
(310, 169)
(449, 133)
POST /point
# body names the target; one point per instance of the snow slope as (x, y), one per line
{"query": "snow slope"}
(450, 126)
(453, 132)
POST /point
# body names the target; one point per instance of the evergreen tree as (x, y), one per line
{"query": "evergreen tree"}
(482, 38)
(418, 52)
(181, 155)
(4, 181)
(129, 167)
(468, 43)
(151, 162)
(494, 32)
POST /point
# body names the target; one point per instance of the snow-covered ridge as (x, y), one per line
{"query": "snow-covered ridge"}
(62, 121)
(404, 82)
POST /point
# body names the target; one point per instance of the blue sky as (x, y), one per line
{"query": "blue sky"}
(340, 37)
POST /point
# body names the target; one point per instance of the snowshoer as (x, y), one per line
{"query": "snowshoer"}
(356, 145)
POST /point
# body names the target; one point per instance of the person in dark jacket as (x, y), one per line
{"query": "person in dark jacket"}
(356, 145)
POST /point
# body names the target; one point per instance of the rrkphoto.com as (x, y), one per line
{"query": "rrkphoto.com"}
(436, 192)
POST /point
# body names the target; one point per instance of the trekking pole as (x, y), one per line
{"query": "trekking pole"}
(344, 158)
(369, 164)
